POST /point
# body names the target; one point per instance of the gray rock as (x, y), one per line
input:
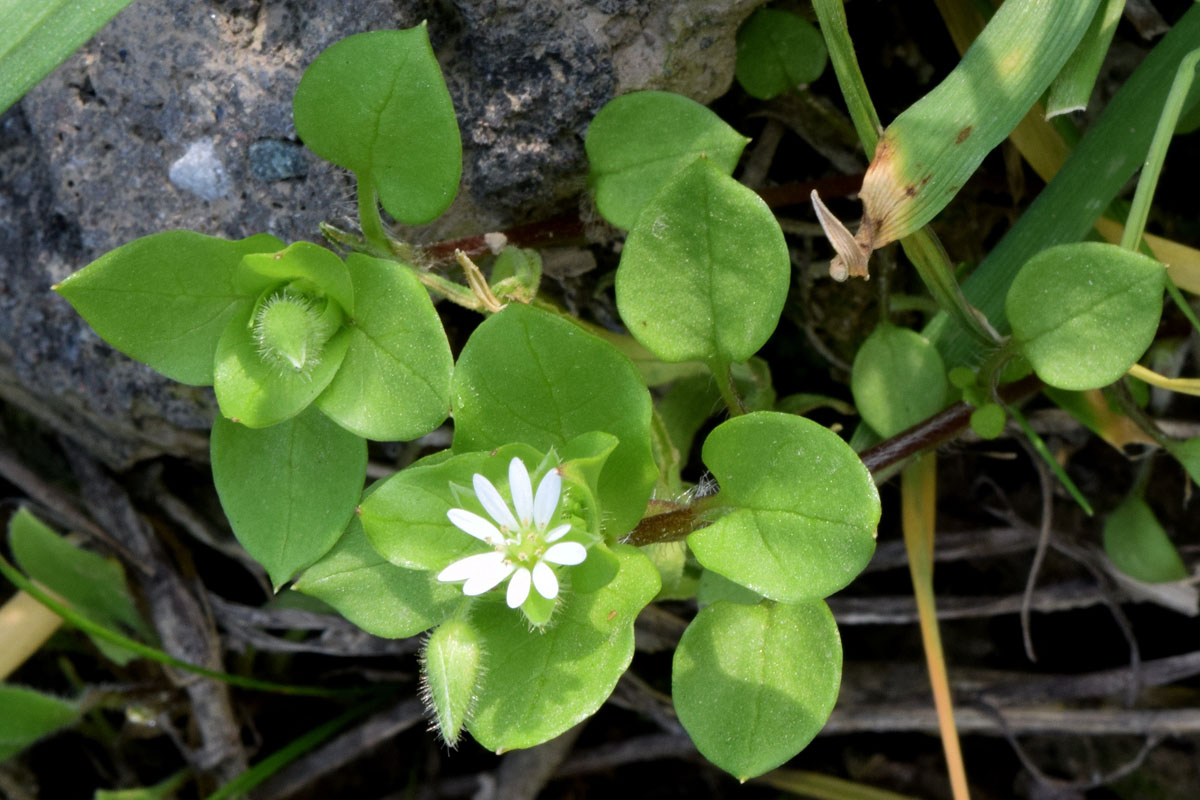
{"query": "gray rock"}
(200, 172)
(277, 160)
(178, 115)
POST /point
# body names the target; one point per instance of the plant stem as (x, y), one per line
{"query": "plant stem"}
(154, 654)
(724, 376)
(368, 216)
(918, 488)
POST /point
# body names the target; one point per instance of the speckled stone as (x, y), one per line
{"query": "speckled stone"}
(178, 115)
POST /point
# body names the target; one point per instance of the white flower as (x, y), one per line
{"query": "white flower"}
(521, 546)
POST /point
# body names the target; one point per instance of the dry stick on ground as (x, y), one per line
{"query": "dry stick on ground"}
(177, 614)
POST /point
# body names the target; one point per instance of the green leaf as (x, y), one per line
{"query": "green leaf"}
(452, 662)
(28, 716)
(256, 392)
(38, 35)
(166, 299)
(288, 490)
(376, 103)
(537, 685)
(988, 420)
(1139, 546)
(373, 593)
(1187, 453)
(898, 379)
(640, 141)
(714, 587)
(308, 268)
(92, 585)
(394, 382)
(799, 508)
(526, 375)
(1084, 313)
(754, 684)
(778, 51)
(705, 270)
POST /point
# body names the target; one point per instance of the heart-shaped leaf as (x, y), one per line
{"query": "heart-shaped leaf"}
(394, 382)
(754, 684)
(639, 141)
(376, 103)
(1084, 313)
(526, 375)
(166, 299)
(705, 270)
(537, 685)
(777, 51)
(799, 508)
(289, 489)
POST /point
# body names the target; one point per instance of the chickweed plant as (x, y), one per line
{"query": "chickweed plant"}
(528, 548)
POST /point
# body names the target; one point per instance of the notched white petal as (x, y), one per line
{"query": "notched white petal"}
(492, 502)
(545, 581)
(521, 490)
(546, 502)
(557, 532)
(489, 575)
(518, 588)
(566, 554)
(477, 526)
(468, 567)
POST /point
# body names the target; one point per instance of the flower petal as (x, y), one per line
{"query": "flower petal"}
(489, 575)
(518, 588)
(556, 533)
(521, 490)
(545, 581)
(566, 553)
(477, 526)
(493, 503)
(544, 505)
(470, 566)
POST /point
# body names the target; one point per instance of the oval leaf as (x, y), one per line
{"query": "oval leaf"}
(1085, 313)
(800, 509)
(28, 716)
(92, 585)
(166, 299)
(394, 382)
(288, 490)
(898, 379)
(537, 685)
(1137, 543)
(777, 51)
(373, 593)
(705, 270)
(754, 684)
(376, 103)
(639, 141)
(526, 375)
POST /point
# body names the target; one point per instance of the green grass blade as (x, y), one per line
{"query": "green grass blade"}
(1069, 206)
(38, 35)
(1073, 86)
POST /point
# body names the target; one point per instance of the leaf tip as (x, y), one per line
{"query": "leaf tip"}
(852, 251)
